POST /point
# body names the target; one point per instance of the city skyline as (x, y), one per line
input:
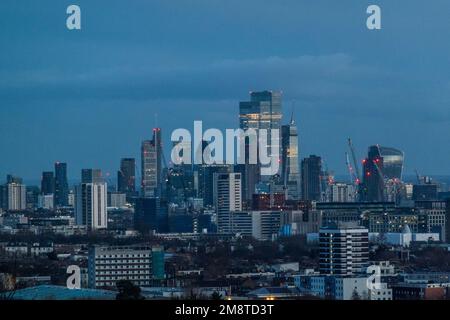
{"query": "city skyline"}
(103, 85)
(225, 158)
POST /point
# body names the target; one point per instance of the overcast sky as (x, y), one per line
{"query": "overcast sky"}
(89, 97)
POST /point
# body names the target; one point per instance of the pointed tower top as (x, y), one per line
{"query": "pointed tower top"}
(292, 122)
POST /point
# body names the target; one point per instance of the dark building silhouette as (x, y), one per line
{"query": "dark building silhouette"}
(372, 188)
(48, 183)
(3, 197)
(150, 215)
(126, 177)
(206, 181)
(91, 176)
(61, 185)
(181, 223)
(428, 191)
(311, 178)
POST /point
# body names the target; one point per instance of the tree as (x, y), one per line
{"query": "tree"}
(355, 295)
(216, 296)
(128, 291)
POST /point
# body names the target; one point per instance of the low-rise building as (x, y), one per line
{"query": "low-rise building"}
(108, 265)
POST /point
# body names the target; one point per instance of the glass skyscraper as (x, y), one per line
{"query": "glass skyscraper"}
(392, 162)
(311, 178)
(290, 171)
(151, 156)
(263, 111)
(61, 185)
(126, 177)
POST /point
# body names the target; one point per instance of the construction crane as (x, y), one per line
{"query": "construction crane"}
(419, 179)
(351, 172)
(355, 162)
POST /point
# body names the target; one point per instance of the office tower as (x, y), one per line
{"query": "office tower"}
(91, 205)
(436, 215)
(290, 172)
(48, 183)
(147, 214)
(13, 179)
(15, 195)
(108, 265)
(263, 111)
(126, 177)
(61, 185)
(392, 162)
(427, 191)
(46, 201)
(227, 195)
(344, 249)
(261, 225)
(311, 178)
(205, 181)
(32, 196)
(117, 200)
(180, 184)
(341, 192)
(3, 197)
(373, 181)
(91, 176)
(151, 156)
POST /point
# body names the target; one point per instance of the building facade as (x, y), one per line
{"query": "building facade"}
(344, 249)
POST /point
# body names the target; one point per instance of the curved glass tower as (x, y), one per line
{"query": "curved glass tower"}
(392, 162)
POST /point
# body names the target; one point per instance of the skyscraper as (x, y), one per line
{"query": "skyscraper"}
(263, 111)
(227, 196)
(311, 178)
(91, 176)
(16, 196)
(151, 156)
(126, 177)
(392, 162)
(373, 180)
(48, 183)
(290, 172)
(61, 185)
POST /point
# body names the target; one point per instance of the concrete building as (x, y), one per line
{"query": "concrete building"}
(261, 225)
(16, 196)
(91, 205)
(117, 199)
(341, 192)
(46, 201)
(108, 265)
(344, 249)
(227, 197)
